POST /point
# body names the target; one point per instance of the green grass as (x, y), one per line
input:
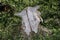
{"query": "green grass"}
(50, 14)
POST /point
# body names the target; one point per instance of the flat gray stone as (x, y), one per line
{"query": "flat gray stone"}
(30, 19)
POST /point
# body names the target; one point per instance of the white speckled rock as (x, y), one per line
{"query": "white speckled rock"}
(30, 19)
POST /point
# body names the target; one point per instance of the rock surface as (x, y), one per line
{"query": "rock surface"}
(30, 19)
